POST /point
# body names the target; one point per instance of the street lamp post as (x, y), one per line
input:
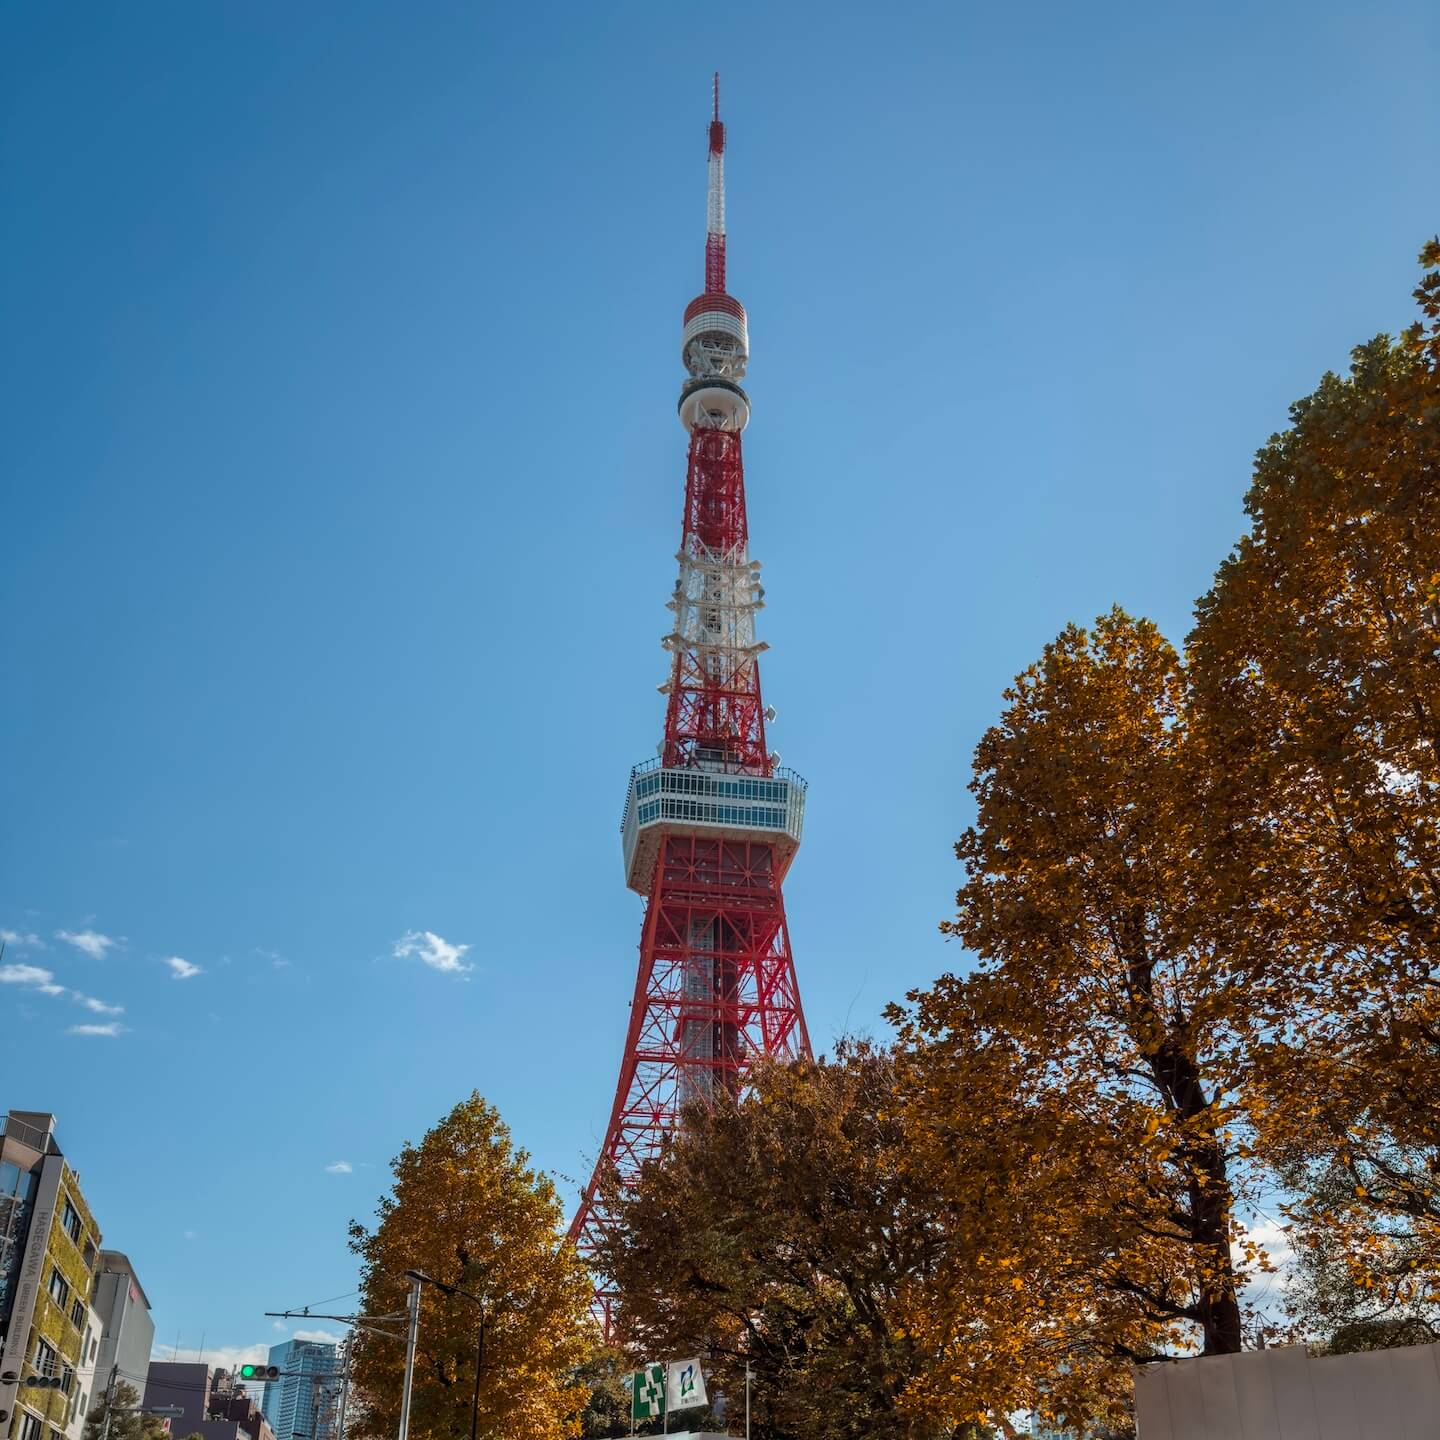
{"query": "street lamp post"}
(479, 1304)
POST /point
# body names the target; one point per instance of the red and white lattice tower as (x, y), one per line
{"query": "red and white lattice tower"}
(712, 824)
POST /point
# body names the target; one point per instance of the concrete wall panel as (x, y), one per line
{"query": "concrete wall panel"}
(1285, 1394)
(1335, 1408)
(1222, 1406)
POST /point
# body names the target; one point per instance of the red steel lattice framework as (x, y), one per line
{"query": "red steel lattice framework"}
(711, 825)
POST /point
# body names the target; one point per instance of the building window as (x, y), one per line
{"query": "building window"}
(77, 1315)
(70, 1219)
(59, 1288)
(30, 1426)
(67, 1379)
(45, 1357)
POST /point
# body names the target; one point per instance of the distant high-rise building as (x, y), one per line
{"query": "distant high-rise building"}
(49, 1247)
(127, 1333)
(301, 1404)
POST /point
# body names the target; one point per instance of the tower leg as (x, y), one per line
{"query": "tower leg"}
(716, 989)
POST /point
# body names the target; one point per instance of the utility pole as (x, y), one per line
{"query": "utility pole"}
(373, 1324)
(115, 1376)
(344, 1388)
(417, 1279)
(479, 1366)
(110, 1392)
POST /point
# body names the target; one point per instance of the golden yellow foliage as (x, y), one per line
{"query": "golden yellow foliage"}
(468, 1210)
(1316, 671)
(1126, 1024)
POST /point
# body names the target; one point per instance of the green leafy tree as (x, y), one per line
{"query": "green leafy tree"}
(469, 1210)
(607, 1410)
(1329, 1299)
(127, 1422)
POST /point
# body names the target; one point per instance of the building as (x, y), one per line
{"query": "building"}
(86, 1373)
(229, 1401)
(301, 1404)
(713, 822)
(49, 1249)
(127, 1333)
(211, 1405)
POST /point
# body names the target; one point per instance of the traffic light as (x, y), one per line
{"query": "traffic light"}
(44, 1382)
(260, 1372)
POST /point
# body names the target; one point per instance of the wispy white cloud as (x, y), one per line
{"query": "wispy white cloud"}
(182, 969)
(187, 1234)
(1265, 1289)
(36, 977)
(32, 977)
(110, 1031)
(427, 947)
(320, 1337)
(88, 942)
(339, 1167)
(222, 1357)
(25, 938)
(98, 1006)
(279, 1325)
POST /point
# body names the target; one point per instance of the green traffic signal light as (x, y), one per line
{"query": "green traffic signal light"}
(259, 1372)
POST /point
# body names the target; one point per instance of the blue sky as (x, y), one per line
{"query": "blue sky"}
(342, 487)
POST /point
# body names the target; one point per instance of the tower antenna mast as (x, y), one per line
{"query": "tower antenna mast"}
(715, 201)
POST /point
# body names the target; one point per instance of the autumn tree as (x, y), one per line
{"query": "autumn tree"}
(469, 1210)
(1038, 1300)
(873, 1287)
(1080, 902)
(1316, 673)
(778, 1229)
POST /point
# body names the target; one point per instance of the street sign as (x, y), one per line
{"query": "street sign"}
(172, 1412)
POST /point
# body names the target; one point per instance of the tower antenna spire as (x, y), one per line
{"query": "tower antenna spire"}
(715, 207)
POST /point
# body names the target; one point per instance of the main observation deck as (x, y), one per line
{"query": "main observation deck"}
(693, 801)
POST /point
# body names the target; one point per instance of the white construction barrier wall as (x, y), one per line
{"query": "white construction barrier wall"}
(1289, 1394)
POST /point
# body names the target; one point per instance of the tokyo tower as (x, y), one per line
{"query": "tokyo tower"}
(710, 825)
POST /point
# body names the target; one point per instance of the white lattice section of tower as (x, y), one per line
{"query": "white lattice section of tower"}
(715, 600)
(715, 195)
(697, 1044)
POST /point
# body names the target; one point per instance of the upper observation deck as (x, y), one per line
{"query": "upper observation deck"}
(671, 800)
